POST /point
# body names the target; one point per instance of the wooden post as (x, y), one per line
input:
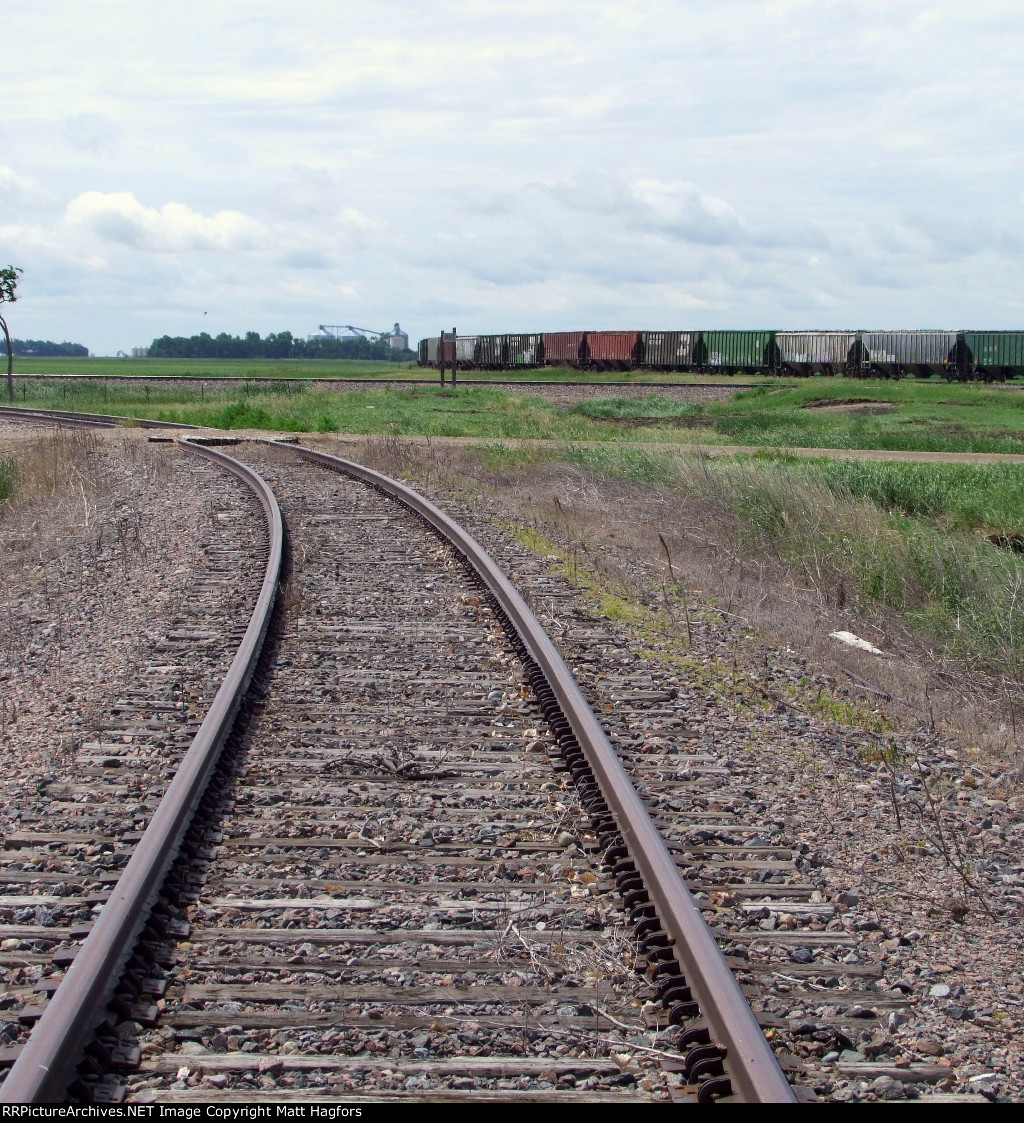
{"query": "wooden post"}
(455, 354)
(440, 357)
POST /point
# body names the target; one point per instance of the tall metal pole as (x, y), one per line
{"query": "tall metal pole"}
(455, 354)
(440, 357)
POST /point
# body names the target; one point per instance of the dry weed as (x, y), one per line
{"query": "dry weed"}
(619, 531)
(63, 535)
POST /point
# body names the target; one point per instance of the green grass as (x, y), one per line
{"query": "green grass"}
(296, 407)
(955, 497)
(922, 416)
(910, 537)
(651, 407)
(326, 368)
(926, 416)
(949, 496)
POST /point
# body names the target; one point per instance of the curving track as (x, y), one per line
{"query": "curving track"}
(417, 847)
(83, 420)
(61, 864)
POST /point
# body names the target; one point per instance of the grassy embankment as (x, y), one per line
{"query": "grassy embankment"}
(837, 413)
(913, 539)
(910, 537)
(823, 413)
(295, 407)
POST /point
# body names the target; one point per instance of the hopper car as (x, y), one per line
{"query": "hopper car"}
(957, 355)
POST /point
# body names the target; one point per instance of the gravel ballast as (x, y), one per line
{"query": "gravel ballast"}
(913, 844)
(128, 568)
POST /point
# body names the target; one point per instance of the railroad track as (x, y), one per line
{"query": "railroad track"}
(419, 870)
(83, 815)
(83, 420)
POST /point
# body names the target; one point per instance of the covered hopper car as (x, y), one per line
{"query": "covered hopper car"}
(893, 354)
(816, 352)
(992, 356)
(988, 355)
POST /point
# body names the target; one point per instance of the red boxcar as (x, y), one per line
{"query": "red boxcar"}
(563, 348)
(614, 350)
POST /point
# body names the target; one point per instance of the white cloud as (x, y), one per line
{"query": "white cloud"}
(92, 132)
(682, 211)
(18, 192)
(505, 163)
(120, 218)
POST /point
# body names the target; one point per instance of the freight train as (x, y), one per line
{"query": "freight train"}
(991, 356)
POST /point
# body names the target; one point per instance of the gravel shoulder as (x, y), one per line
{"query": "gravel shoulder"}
(126, 570)
(911, 841)
(94, 576)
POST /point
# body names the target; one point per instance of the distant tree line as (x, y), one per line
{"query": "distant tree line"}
(276, 345)
(45, 348)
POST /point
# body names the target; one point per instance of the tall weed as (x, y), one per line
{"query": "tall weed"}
(8, 475)
(862, 535)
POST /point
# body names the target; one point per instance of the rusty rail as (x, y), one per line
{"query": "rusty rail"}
(750, 1064)
(96, 420)
(46, 1066)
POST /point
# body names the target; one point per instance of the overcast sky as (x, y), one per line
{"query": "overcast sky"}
(227, 166)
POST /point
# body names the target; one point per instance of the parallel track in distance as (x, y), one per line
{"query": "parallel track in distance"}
(84, 420)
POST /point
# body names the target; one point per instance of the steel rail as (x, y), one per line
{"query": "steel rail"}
(101, 420)
(52, 417)
(46, 1066)
(751, 1065)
